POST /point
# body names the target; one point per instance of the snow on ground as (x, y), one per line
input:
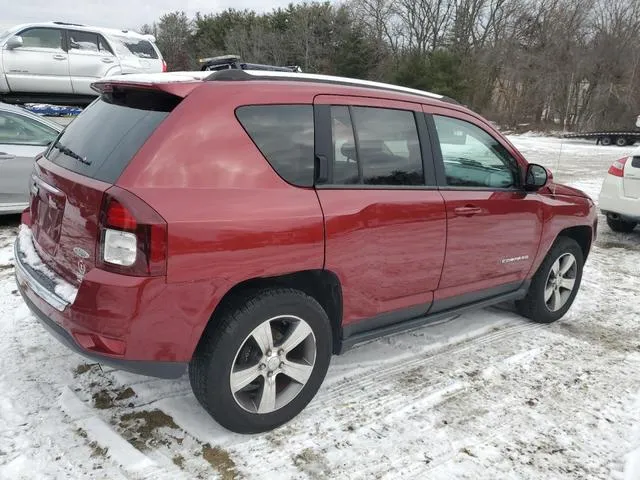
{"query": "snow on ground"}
(483, 396)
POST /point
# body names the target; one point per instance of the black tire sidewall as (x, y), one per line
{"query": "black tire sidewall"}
(224, 408)
(541, 312)
(621, 226)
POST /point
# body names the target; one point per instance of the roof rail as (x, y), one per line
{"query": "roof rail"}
(70, 24)
(248, 75)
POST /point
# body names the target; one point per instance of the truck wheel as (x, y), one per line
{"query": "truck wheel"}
(622, 141)
(618, 225)
(606, 141)
(555, 284)
(263, 361)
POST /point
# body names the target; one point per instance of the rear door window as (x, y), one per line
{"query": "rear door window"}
(284, 135)
(83, 41)
(137, 47)
(375, 146)
(101, 142)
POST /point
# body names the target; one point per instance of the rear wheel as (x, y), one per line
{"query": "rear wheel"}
(606, 141)
(622, 226)
(555, 284)
(622, 141)
(264, 362)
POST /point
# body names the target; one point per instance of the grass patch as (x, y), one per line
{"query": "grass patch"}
(102, 400)
(179, 461)
(82, 369)
(221, 462)
(143, 425)
(125, 394)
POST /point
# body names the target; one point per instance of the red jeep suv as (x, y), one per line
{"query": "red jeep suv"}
(249, 224)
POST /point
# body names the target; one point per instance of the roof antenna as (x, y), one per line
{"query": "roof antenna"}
(564, 126)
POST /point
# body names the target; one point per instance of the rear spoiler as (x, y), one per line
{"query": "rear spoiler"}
(179, 84)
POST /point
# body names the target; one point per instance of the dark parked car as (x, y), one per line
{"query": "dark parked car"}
(298, 216)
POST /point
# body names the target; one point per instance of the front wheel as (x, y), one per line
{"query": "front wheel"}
(555, 284)
(621, 226)
(264, 361)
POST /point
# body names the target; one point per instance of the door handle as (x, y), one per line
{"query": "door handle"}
(6, 156)
(107, 60)
(467, 211)
(322, 169)
(59, 57)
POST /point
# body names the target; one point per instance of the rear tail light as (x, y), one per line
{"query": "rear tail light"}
(164, 66)
(617, 169)
(133, 236)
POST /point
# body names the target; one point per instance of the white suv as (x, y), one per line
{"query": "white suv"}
(56, 62)
(620, 194)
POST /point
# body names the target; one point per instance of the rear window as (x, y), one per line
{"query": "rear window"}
(284, 135)
(138, 47)
(101, 142)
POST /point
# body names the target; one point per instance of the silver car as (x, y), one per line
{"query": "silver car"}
(56, 62)
(23, 135)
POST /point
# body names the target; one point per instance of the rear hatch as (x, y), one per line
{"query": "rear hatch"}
(70, 180)
(631, 180)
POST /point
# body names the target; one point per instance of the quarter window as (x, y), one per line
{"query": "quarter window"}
(285, 136)
(472, 157)
(375, 146)
(42, 38)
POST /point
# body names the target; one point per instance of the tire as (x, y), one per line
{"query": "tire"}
(534, 306)
(622, 141)
(606, 141)
(620, 226)
(233, 340)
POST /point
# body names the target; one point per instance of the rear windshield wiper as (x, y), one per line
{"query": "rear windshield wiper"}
(70, 153)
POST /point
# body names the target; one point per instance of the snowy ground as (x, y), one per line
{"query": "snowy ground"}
(483, 396)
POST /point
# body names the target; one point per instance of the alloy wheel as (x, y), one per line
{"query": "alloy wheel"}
(273, 364)
(560, 282)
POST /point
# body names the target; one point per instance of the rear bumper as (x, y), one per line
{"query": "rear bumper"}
(613, 202)
(58, 316)
(150, 368)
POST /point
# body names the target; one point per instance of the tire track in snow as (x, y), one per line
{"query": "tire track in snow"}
(358, 382)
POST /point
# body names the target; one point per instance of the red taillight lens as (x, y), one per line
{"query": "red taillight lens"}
(164, 66)
(133, 236)
(617, 169)
(119, 217)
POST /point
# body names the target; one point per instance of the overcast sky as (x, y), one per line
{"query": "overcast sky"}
(116, 13)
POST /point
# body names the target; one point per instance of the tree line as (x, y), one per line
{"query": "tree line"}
(544, 64)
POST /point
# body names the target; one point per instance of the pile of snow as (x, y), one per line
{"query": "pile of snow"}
(30, 257)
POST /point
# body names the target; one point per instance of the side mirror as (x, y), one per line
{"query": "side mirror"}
(14, 42)
(537, 177)
(348, 150)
